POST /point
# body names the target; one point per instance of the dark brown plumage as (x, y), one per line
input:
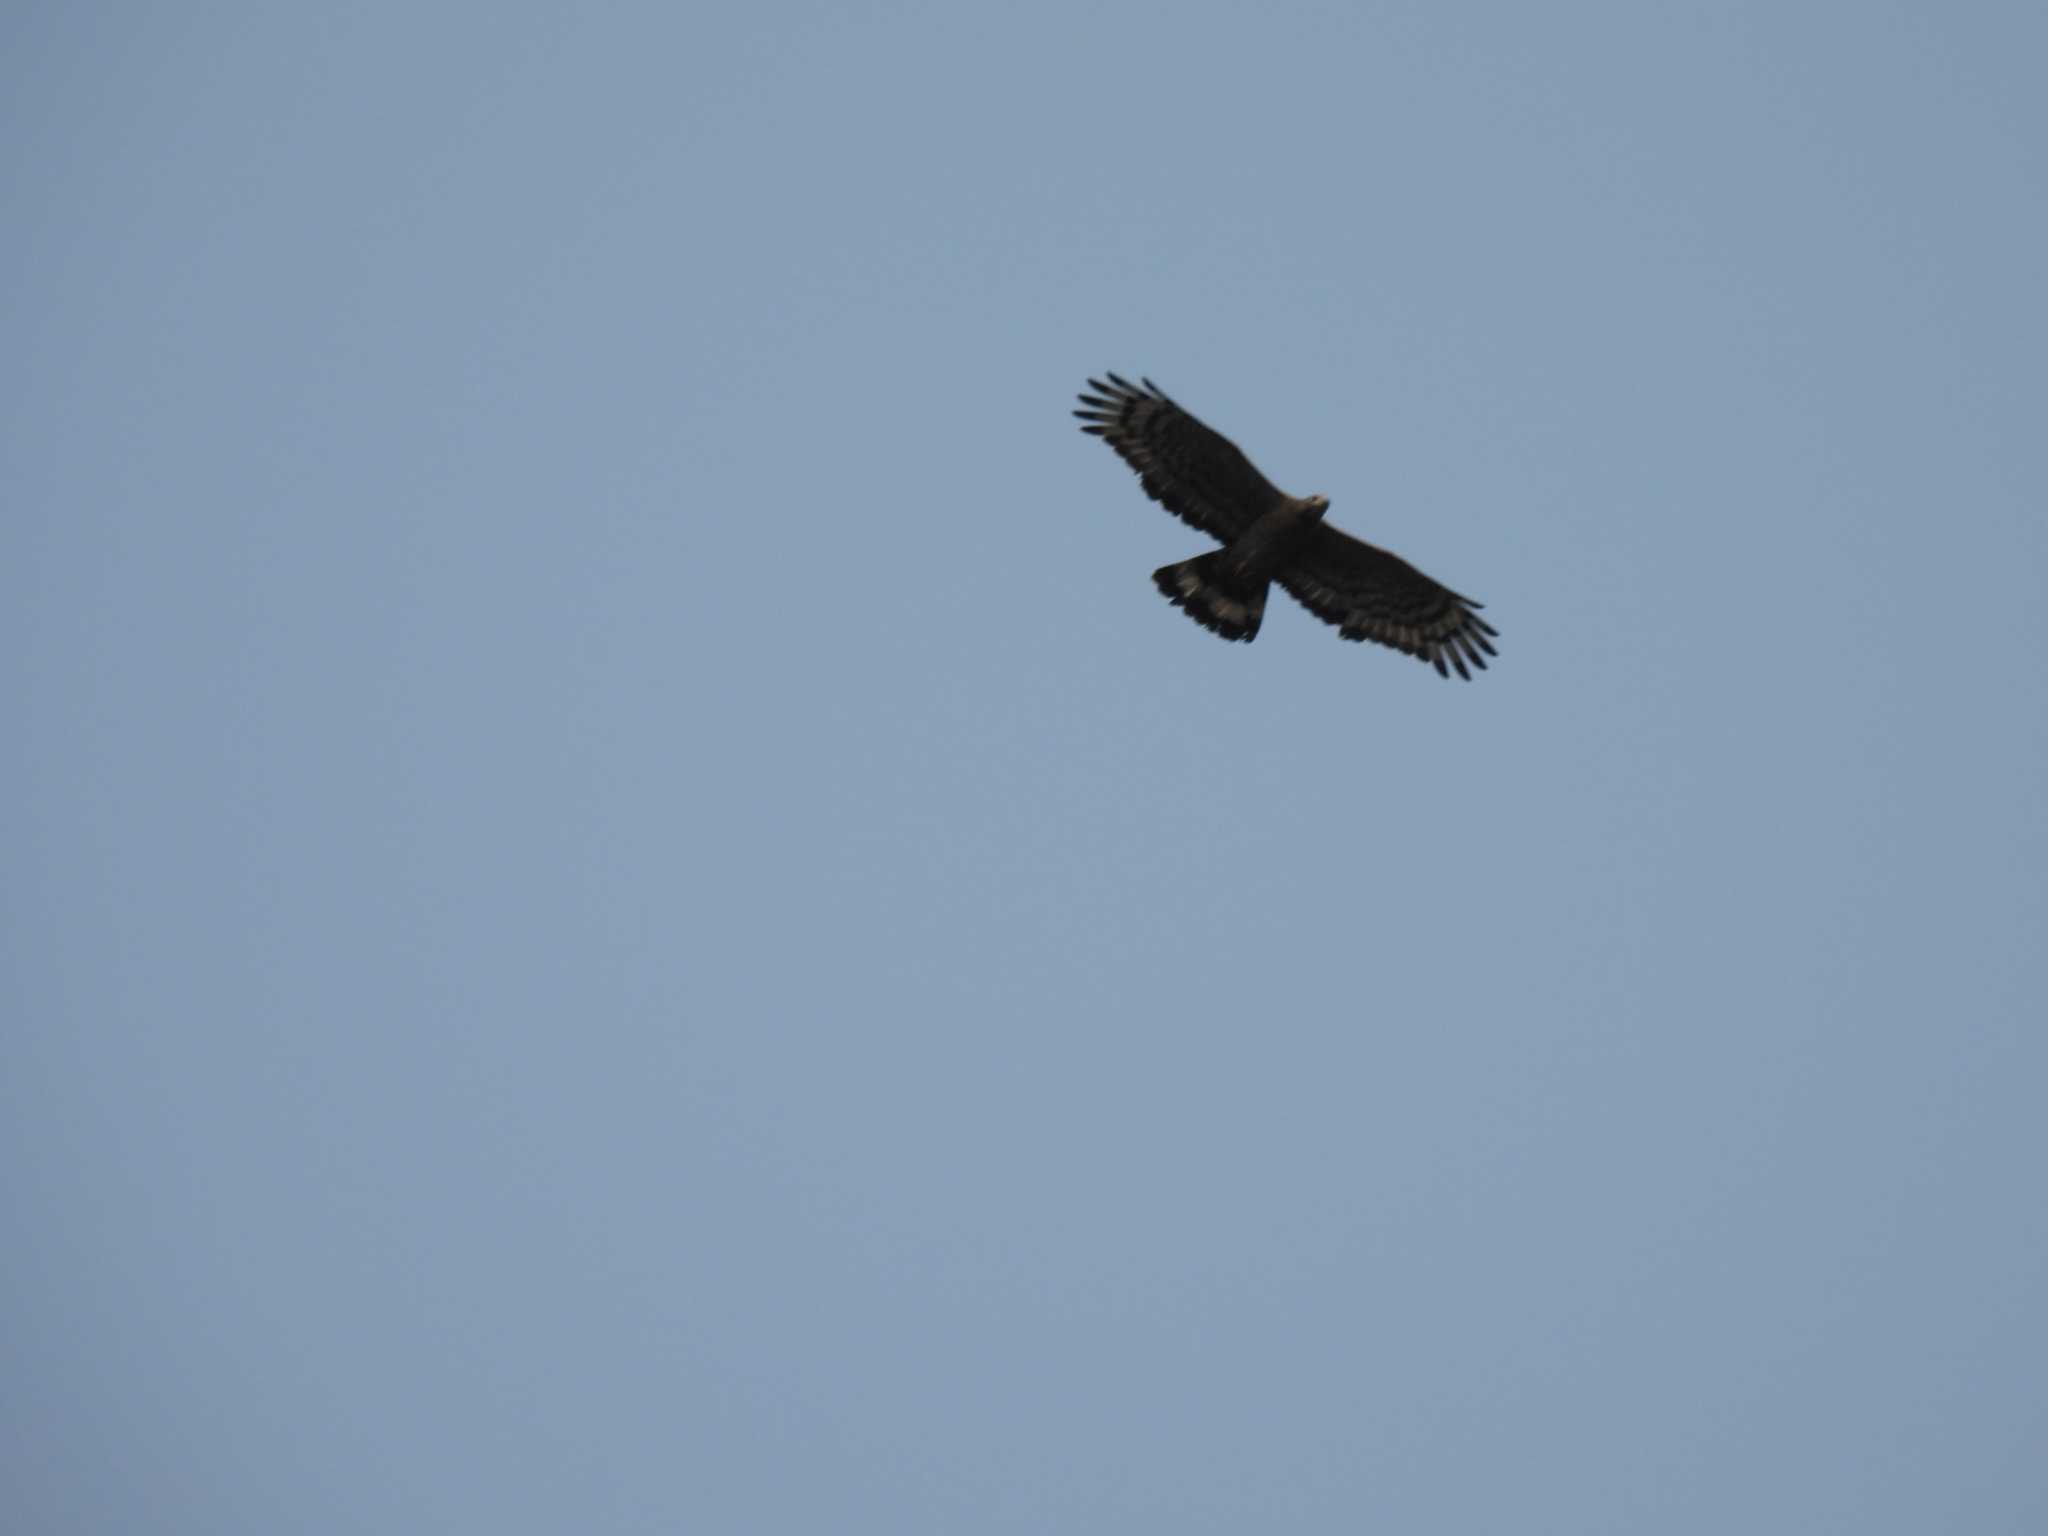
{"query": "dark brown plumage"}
(1200, 476)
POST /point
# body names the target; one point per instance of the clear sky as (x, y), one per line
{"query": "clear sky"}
(625, 913)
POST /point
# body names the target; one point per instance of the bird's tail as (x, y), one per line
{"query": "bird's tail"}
(1214, 596)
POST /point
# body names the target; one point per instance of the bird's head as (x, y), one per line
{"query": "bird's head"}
(1315, 507)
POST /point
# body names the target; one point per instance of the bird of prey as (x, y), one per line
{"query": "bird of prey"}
(1200, 476)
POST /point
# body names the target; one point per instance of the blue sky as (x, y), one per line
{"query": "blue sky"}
(627, 914)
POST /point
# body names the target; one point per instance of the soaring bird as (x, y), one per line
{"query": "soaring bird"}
(1202, 477)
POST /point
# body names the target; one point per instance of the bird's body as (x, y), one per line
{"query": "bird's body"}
(1267, 536)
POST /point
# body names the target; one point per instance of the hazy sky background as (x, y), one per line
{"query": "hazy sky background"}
(625, 913)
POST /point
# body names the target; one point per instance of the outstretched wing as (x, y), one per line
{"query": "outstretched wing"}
(1194, 473)
(1372, 595)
